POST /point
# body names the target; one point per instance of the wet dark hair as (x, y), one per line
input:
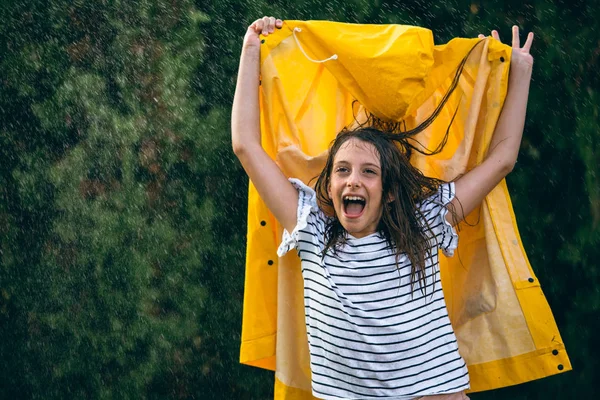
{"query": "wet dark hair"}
(404, 186)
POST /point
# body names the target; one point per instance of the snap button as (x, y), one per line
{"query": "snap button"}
(263, 223)
(501, 59)
(531, 280)
(560, 367)
(270, 262)
(555, 352)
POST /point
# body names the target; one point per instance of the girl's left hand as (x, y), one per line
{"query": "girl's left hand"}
(520, 55)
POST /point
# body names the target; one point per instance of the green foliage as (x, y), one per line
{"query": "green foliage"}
(122, 211)
(112, 278)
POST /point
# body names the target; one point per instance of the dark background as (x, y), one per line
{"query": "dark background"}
(122, 207)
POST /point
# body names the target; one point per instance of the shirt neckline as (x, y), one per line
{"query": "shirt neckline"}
(355, 239)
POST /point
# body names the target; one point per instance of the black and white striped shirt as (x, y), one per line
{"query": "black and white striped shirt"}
(370, 336)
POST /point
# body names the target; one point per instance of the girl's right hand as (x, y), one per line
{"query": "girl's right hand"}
(264, 26)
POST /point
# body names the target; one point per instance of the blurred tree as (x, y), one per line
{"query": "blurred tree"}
(115, 277)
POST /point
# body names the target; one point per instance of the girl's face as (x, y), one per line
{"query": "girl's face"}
(355, 187)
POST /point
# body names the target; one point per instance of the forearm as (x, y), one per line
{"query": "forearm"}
(473, 186)
(245, 118)
(504, 147)
(272, 185)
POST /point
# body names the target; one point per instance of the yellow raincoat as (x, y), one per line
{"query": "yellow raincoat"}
(316, 78)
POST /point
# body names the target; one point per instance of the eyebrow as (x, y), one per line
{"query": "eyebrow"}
(362, 165)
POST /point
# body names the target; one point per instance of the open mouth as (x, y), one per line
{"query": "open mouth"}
(354, 205)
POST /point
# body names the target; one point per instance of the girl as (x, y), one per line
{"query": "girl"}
(368, 237)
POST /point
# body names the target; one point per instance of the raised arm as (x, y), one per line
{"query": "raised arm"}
(472, 187)
(277, 192)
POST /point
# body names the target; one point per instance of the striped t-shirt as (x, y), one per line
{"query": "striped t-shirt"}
(370, 336)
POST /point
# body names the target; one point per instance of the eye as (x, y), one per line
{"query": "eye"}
(370, 171)
(341, 169)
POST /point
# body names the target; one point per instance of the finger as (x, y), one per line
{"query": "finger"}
(265, 27)
(515, 37)
(257, 26)
(528, 42)
(495, 35)
(271, 24)
(278, 23)
(481, 36)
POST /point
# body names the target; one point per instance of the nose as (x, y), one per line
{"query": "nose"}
(353, 179)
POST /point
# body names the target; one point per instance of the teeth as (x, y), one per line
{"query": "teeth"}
(354, 198)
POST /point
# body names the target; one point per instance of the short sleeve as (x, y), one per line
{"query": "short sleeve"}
(309, 220)
(434, 211)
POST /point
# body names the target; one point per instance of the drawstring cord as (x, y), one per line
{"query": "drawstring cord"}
(333, 57)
